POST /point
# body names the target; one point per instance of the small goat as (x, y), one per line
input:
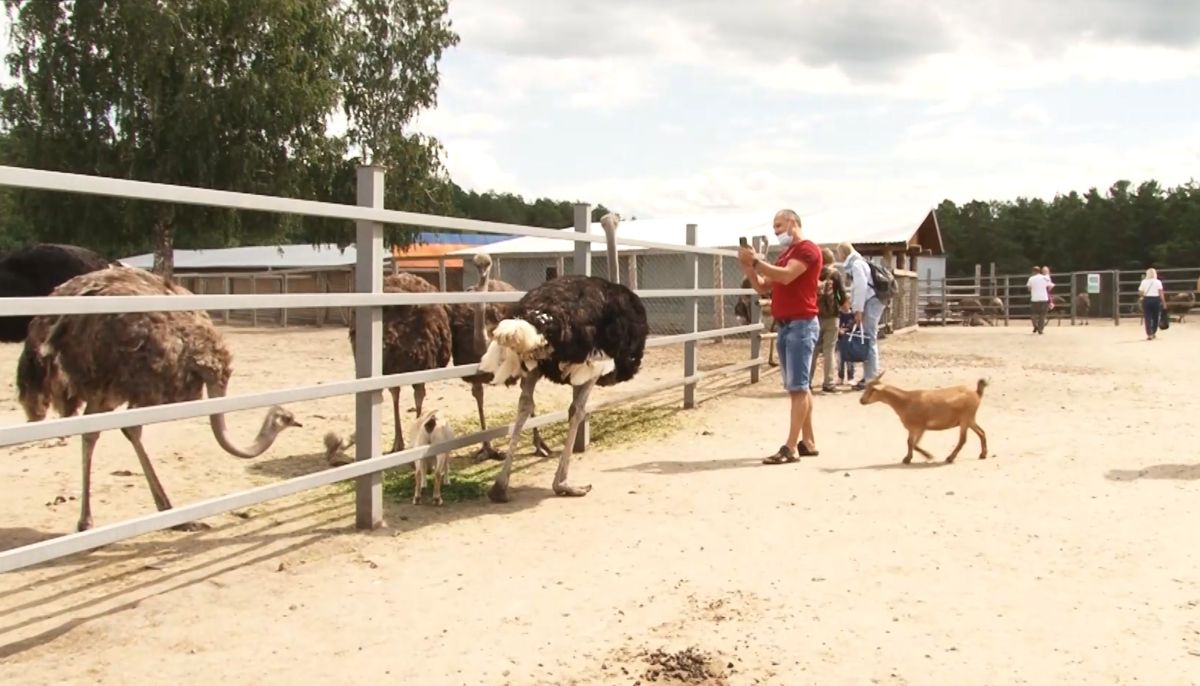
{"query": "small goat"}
(428, 430)
(931, 410)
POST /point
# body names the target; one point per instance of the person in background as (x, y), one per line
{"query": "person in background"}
(866, 307)
(845, 323)
(1039, 299)
(1049, 288)
(1151, 291)
(792, 285)
(831, 294)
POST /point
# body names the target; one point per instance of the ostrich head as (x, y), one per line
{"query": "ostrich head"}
(609, 223)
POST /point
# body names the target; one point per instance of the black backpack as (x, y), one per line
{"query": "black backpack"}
(882, 281)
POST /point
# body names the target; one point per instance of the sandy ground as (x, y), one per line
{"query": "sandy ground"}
(1066, 557)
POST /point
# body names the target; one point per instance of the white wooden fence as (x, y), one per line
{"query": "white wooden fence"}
(369, 383)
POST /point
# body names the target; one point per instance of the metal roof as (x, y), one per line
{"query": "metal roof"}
(301, 256)
(722, 230)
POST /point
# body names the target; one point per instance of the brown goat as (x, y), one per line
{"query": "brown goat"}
(931, 410)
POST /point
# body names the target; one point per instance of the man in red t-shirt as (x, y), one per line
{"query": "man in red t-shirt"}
(792, 285)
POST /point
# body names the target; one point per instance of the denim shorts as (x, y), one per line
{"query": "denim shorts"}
(795, 344)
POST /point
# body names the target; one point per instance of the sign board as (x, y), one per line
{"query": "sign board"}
(1093, 284)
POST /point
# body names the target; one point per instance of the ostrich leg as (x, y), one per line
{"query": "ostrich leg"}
(486, 452)
(499, 490)
(134, 434)
(418, 396)
(398, 441)
(578, 413)
(85, 498)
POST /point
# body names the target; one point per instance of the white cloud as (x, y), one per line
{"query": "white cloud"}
(472, 163)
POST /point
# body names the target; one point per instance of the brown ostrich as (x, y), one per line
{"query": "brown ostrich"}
(415, 338)
(471, 328)
(103, 361)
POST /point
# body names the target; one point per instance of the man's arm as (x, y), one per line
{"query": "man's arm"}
(756, 282)
(784, 275)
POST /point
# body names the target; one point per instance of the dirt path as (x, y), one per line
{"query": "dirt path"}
(1065, 558)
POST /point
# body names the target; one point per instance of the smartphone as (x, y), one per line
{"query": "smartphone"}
(743, 242)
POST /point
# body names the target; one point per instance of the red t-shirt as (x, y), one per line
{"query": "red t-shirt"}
(798, 299)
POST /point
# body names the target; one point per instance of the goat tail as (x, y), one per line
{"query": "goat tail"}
(980, 386)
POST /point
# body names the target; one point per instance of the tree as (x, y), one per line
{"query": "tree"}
(228, 94)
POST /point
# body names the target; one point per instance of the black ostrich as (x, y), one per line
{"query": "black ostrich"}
(470, 328)
(36, 271)
(577, 330)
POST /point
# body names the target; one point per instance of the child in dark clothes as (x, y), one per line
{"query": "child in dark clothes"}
(845, 324)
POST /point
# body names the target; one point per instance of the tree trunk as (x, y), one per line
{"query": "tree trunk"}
(164, 248)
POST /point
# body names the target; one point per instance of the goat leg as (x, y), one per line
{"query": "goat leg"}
(982, 440)
(962, 440)
(439, 474)
(418, 480)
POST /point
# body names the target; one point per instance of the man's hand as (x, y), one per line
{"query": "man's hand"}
(746, 256)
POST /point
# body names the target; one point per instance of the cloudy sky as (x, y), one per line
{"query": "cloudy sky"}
(665, 106)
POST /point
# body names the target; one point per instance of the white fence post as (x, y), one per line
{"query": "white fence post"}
(368, 358)
(583, 265)
(692, 321)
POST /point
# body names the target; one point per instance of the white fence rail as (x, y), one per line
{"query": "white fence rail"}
(369, 383)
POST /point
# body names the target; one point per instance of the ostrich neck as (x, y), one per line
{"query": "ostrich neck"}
(264, 439)
(611, 236)
(478, 313)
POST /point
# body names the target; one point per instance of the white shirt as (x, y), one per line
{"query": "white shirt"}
(1039, 288)
(1151, 288)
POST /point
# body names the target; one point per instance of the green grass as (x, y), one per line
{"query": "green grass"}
(611, 427)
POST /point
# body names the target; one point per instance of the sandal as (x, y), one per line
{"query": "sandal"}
(804, 451)
(784, 455)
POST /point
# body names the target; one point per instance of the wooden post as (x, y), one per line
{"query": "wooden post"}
(978, 280)
(992, 280)
(719, 300)
(633, 271)
(583, 265)
(1074, 289)
(692, 318)
(254, 312)
(368, 343)
(945, 302)
(283, 288)
(442, 273)
(1116, 297)
(755, 337)
(227, 290)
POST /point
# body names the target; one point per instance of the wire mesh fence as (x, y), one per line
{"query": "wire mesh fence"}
(1077, 297)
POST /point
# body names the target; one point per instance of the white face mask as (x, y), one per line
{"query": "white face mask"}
(785, 239)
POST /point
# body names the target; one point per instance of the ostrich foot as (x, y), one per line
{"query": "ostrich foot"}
(487, 452)
(539, 446)
(191, 526)
(983, 456)
(498, 493)
(573, 491)
(907, 459)
(84, 524)
(950, 460)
